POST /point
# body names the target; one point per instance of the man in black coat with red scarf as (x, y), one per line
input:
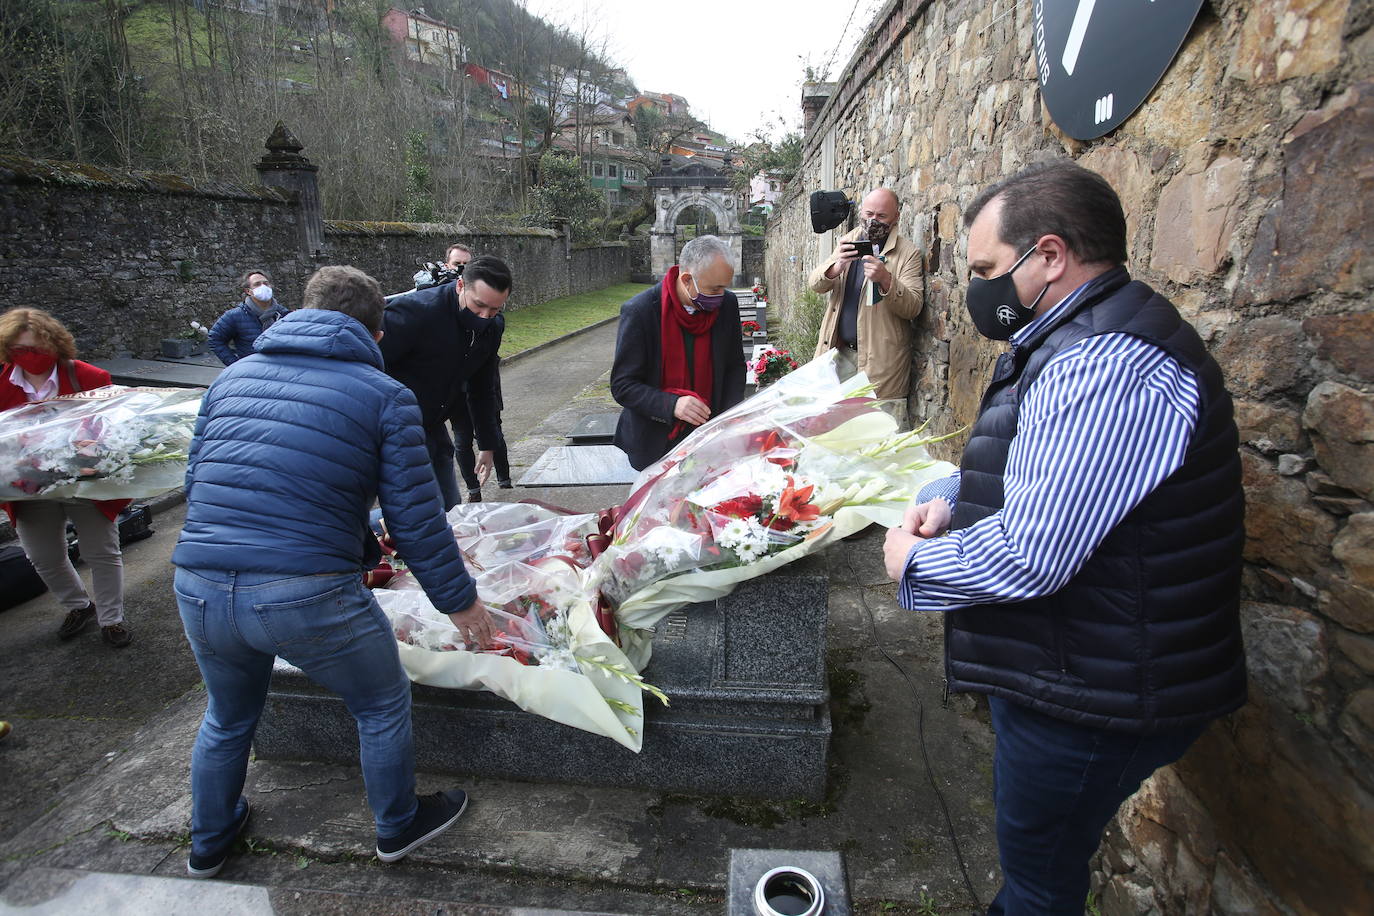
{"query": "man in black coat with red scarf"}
(679, 359)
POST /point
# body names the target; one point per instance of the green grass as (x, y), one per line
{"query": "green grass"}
(533, 325)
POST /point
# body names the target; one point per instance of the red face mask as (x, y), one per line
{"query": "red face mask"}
(32, 360)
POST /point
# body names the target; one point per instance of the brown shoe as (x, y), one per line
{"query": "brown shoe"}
(117, 635)
(76, 621)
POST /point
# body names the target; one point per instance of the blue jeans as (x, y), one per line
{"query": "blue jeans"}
(440, 448)
(1056, 785)
(330, 627)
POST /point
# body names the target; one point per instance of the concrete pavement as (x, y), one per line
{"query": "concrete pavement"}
(95, 775)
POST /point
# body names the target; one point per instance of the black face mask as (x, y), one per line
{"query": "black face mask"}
(470, 321)
(995, 307)
(877, 230)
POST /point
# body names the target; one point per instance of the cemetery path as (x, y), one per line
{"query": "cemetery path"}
(95, 775)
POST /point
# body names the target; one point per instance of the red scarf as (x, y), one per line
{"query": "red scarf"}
(677, 379)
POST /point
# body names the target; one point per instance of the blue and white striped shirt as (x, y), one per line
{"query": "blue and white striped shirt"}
(1105, 422)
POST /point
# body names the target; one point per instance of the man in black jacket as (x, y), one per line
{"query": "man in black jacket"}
(679, 357)
(442, 343)
(1090, 564)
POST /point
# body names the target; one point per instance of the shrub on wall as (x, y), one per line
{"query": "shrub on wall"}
(801, 324)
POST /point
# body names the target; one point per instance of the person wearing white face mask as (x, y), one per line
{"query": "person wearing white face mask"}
(232, 337)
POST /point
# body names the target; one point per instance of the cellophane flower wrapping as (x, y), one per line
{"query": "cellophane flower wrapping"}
(114, 442)
(806, 461)
(551, 657)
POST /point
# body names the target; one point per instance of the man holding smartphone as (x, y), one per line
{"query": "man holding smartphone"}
(874, 281)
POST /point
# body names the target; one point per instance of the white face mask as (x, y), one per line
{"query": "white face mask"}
(262, 293)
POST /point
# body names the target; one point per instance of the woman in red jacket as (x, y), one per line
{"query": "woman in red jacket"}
(39, 358)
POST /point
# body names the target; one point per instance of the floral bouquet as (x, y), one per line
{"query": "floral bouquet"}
(106, 443)
(196, 331)
(802, 463)
(749, 328)
(772, 365)
(550, 657)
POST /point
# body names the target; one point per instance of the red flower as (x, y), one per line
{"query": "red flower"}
(795, 504)
(746, 506)
(629, 565)
(521, 655)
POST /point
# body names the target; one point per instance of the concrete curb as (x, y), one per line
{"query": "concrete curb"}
(505, 360)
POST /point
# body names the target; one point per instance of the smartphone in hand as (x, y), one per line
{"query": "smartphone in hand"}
(863, 247)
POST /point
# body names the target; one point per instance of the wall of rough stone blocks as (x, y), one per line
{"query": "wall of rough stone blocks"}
(127, 259)
(1247, 179)
(751, 261)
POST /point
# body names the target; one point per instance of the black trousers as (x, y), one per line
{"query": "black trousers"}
(464, 442)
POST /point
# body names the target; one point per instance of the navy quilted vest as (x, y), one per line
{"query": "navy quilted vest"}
(1146, 637)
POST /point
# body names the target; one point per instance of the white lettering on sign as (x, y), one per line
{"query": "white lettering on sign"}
(1074, 45)
(1102, 109)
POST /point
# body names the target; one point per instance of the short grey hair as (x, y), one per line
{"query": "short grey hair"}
(702, 250)
(347, 290)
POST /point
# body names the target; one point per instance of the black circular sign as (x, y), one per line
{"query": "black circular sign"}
(1099, 59)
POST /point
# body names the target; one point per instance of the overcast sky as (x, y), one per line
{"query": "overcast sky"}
(739, 63)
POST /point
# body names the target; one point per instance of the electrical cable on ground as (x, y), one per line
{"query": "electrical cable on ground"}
(920, 735)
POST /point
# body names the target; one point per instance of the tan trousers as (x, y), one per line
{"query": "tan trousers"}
(42, 528)
(847, 364)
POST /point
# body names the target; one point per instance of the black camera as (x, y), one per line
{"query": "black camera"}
(436, 274)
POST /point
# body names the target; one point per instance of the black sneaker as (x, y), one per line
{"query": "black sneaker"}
(505, 484)
(117, 635)
(436, 814)
(76, 621)
(209, 866)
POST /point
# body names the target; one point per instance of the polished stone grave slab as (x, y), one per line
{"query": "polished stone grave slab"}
(159, 373)
(749, 714)
(206, 359)
(72, 892)
(594, 429)
(747, 866)
(750, 309)
(579, 465)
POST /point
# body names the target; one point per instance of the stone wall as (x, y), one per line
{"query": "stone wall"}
(1246, 179)
(641, 265)
(751, 260)
(127, 259)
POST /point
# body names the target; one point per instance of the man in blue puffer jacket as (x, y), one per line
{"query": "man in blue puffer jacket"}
(232, 337)
(292, 445)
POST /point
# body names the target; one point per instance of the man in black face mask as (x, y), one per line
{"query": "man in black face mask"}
(1091, 570)
(873, 297)
(442, 343)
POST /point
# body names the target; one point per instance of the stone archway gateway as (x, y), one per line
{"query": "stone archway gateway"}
(693, 185)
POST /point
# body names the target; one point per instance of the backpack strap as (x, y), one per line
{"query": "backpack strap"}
(70, 369)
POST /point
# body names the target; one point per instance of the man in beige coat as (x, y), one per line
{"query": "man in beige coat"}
(873, 298)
